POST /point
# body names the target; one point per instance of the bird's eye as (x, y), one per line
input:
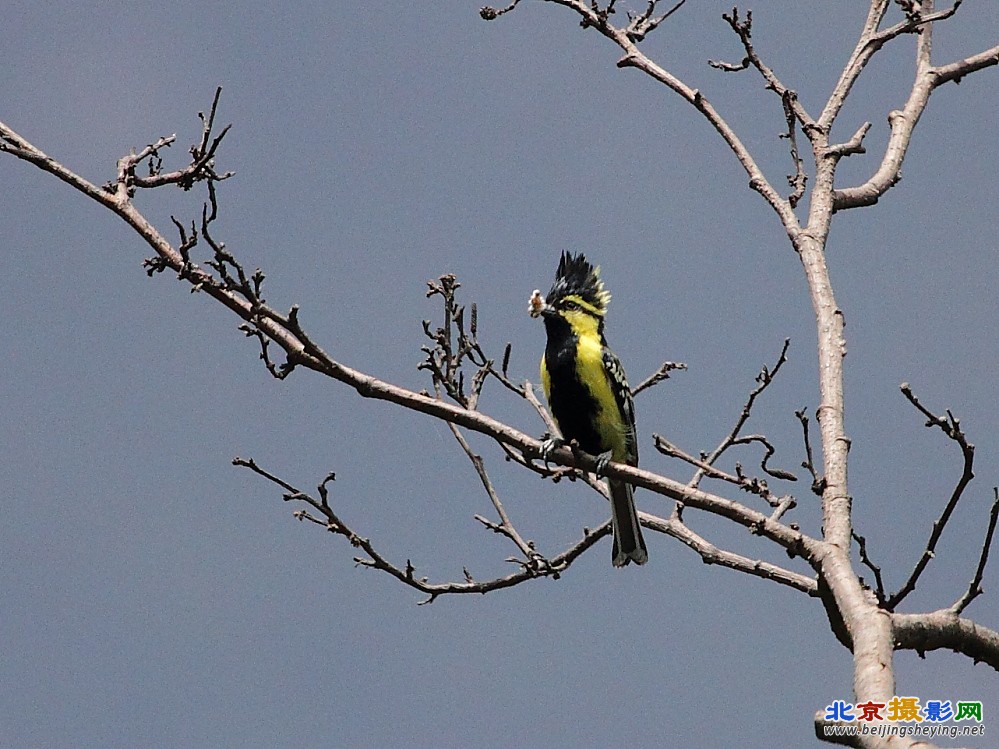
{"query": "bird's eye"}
(569, 305)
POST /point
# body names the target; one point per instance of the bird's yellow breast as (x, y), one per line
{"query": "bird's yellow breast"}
(591, 372)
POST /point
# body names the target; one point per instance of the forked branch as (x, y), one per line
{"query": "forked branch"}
(902, 121)
(763, 380)
(951, 427)
(660, 375)
(223, 278)
(406, 574)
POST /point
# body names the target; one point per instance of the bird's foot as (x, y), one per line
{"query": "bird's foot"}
(549, 445)
(603, 460)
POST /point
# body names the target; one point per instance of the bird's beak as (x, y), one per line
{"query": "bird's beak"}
(537, 306)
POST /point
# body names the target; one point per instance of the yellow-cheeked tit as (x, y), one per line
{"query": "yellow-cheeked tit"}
(587, 390)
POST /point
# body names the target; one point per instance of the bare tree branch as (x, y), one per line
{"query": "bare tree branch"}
(748, 484)
(799, 179)
(818, 483)
(642, 24)
(537, 568)
(879, 591)
(945, 630)
(627, 39)
(730, 67)
(853, 146)
(794, 113)
(902, 122)
(951, 427)
(870, 41)
(956, 70)
(658, 376)
(862, 619)
(744, 30)
(240, 292)
(975, 588)
(505, 526)
(711, 554)
(763, 379)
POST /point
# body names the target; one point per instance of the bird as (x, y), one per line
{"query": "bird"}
(587, 390)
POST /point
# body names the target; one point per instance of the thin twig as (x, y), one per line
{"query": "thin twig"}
(658, 376)
(407, 575)
(642, 24)
(799, 179)
(489, 14)
(975, 588)
(749, 484)
(505, 526)
(769, 450)
(627, 39)
(277, 372)
(203, 156)
(764, 378)
(865, 559)
(454, 345)
(544, 413)
(785, 503)
(730, 67)
(818, 483)
(950, 426)
(744, 30)
(853, 146)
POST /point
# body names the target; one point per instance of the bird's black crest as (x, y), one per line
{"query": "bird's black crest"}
(575, 275)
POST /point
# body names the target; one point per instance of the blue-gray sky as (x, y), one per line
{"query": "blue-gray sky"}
(156, 596)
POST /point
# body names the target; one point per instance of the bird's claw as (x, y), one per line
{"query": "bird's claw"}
(548, 446)
(603, 460)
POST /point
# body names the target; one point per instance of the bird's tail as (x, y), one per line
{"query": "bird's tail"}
(629, 546)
